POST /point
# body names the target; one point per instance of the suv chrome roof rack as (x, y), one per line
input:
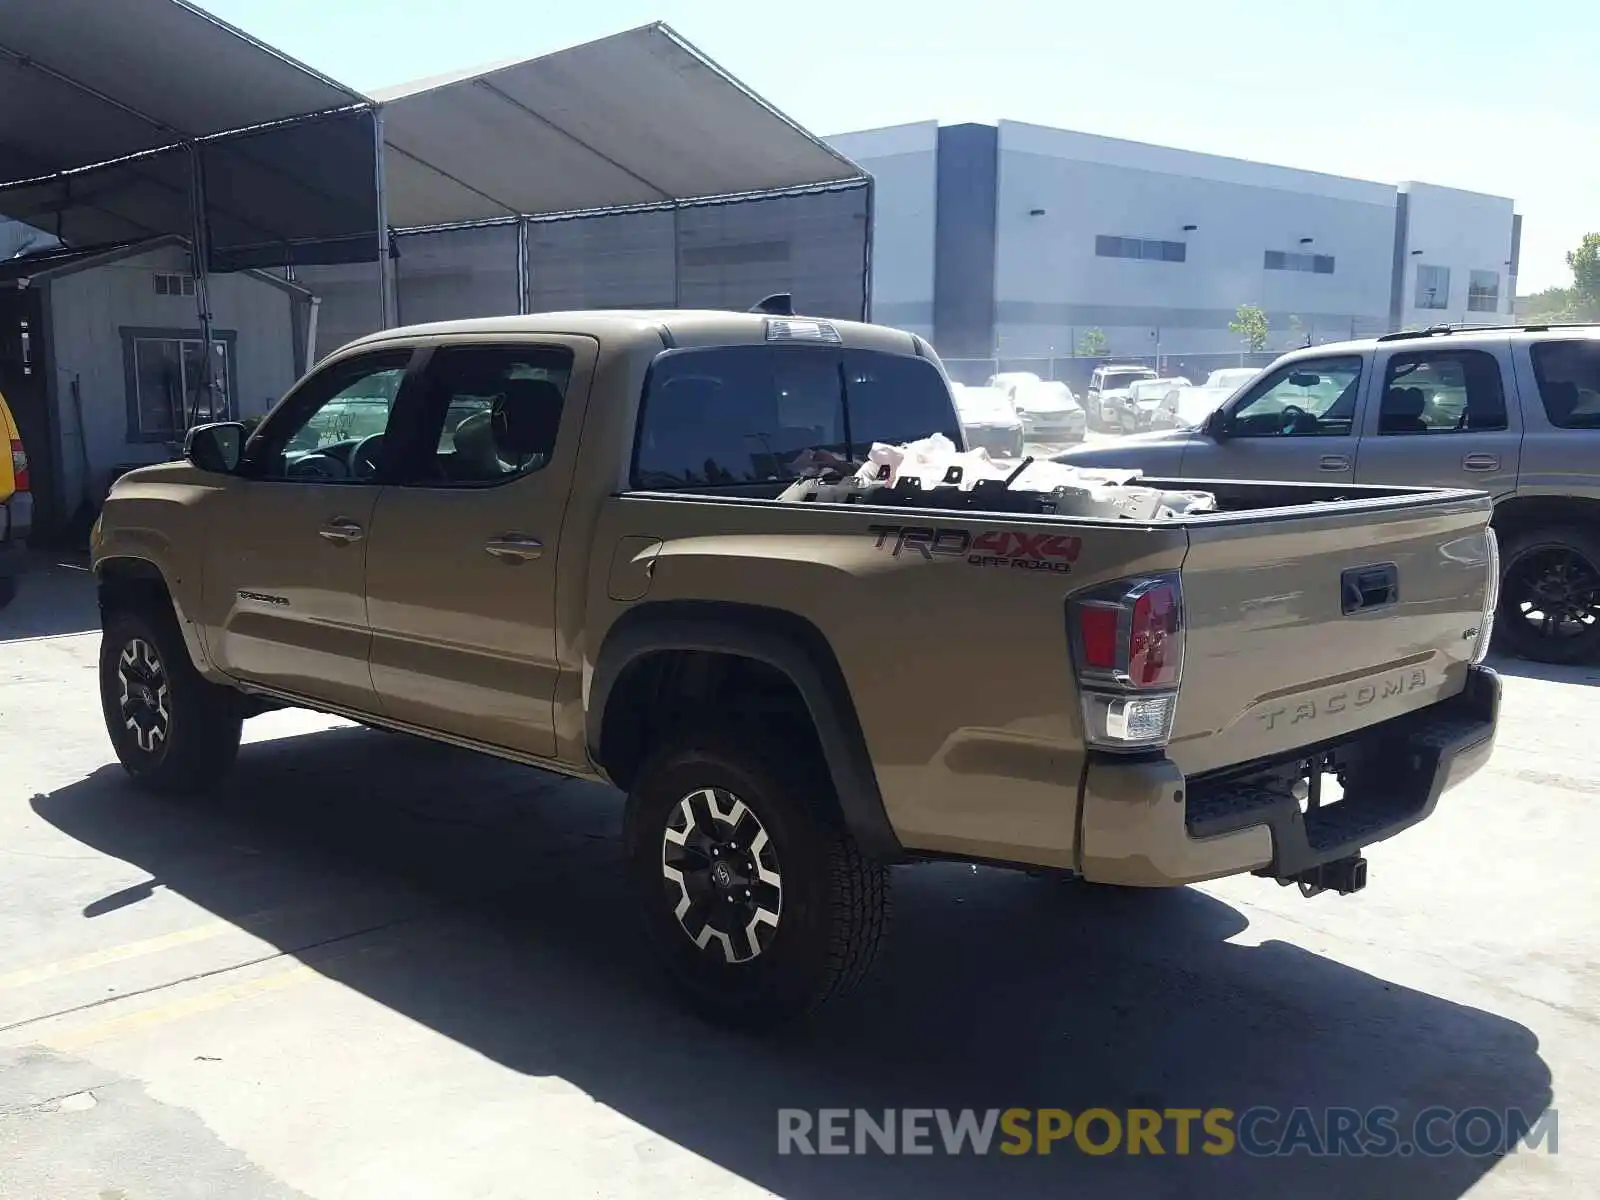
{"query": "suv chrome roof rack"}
(1514, 327)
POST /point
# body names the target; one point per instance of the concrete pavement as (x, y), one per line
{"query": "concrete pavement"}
(380, 968)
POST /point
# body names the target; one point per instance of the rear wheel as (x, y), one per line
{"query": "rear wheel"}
(173, 732)
(758, 903)
(1550, 596)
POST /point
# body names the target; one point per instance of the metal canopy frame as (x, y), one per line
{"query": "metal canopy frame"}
(544, 96)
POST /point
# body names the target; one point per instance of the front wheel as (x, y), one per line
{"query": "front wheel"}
(173, 732)
(1550, 596)
(755, 899)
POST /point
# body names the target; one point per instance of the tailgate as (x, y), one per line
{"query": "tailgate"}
(1307, 624)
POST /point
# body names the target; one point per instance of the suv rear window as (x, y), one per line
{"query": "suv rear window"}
(753, 414)
(1568, 374)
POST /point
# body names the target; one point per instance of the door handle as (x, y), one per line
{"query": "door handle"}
(1481, 462)
(342, 530)
(1334, 462)
(514, 547)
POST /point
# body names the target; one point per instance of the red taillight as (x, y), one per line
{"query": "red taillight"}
(1127, 644)
(19, 465)
(1155, 655)
(1097, 635)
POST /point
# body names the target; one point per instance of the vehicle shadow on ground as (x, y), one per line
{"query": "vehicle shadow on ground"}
(997, 990)
(55, 595)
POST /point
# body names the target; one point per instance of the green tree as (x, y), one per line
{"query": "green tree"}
(1093, 343)
(1250, 323)
(1585, 264)
(1553, 305)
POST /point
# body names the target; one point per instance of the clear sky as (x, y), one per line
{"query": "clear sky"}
(1501, 98)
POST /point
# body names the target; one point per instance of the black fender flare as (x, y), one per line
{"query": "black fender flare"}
(783, 641)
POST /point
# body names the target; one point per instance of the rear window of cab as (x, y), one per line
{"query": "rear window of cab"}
(732, 415)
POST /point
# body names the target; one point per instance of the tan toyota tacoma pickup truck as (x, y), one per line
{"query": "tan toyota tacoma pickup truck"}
(558, 539)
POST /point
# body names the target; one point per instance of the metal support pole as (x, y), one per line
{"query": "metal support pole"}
(386, 298)
(200, 255)
(524, 273)
(677, 258)
(866, 252)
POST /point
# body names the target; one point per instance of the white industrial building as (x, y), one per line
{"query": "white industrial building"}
(1013, 242)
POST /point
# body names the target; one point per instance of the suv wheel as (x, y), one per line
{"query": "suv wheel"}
(1550, 596)
(758, 904)
(173, 732)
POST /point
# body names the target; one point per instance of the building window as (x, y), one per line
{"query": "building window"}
(1433, 286)
(1150, 249)
(1483, 292)
(171, 283)
(1312, 264)
(171, 384)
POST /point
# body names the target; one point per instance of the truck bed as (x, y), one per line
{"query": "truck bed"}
(1310, 611)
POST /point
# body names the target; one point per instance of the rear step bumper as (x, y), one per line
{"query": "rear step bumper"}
(1145, 825)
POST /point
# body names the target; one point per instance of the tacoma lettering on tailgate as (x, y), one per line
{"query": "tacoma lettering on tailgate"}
(1346, 699)
(988, 548)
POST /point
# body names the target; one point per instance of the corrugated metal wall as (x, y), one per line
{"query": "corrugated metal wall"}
(724, 255)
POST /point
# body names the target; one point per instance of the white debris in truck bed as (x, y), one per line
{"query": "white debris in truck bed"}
(1074, 491)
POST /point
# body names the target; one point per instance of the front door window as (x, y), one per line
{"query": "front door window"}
(1315, 398)
(333, 430)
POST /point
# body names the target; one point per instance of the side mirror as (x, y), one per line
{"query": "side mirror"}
(1216, 425)
(216, 447)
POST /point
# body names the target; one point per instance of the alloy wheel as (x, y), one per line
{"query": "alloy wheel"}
(1555, 591)
(143, 700)
(721, 875)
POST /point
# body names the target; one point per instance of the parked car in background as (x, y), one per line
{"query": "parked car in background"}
(1150, 404)
(1107, 388)
(1512, 411)
(1049, 412)
(989, 419)
(16, 504)
(1195, 404)
(1009, 381)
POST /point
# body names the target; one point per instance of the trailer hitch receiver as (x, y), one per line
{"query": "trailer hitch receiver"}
(1343, 875)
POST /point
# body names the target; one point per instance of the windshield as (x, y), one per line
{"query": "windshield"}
(1113, 380)
(733, 415)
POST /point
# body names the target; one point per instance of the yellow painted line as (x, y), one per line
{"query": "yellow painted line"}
(113, 954)
(79, 1037)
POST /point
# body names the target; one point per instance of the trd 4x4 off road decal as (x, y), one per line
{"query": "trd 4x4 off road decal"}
(986, 548)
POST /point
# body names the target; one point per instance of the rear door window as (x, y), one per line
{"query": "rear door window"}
(1568, 375)
(1442, 391)
(751, 414)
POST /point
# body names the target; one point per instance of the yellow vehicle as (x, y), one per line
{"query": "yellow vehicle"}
(16, 504)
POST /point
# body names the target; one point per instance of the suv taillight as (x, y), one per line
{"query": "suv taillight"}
(19, 465)
(1127, 646)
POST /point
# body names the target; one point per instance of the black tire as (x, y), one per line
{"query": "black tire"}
(199, 735)
(834, 901)
(1567, 560)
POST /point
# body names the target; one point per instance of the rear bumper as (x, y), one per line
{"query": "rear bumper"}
(1003, 441)
(11, 559)
(1145, 825)
(16, 517)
